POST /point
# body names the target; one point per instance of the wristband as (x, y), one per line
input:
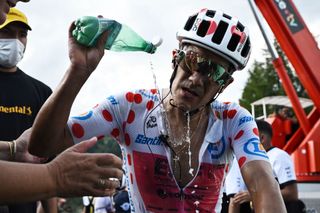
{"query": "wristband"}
(12, 149)
(14, 143)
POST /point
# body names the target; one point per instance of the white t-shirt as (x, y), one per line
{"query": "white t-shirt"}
(282, 165)
(234, 182)
(101, 204)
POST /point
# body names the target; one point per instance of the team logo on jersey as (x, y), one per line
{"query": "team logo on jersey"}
(147, 94)
(146, 140)
(220, 107)
(152, 122)
(84, 116)
(245, 119)
(113, 100)
(217, 149)
(163, 194)
(254, 147)
(288, 172)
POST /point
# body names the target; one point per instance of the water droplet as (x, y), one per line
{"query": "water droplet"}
(157, 41)
(191, 170)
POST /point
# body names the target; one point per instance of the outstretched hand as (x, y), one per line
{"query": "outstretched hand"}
(76, 173)
(242, 197)
(85, 58)
(22, 154)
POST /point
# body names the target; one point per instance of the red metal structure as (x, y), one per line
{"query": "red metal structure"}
(301, 49)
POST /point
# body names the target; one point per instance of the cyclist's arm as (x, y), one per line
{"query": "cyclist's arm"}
(263, 187)
(50, 133)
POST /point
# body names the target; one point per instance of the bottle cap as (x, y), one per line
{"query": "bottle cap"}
(157, 41)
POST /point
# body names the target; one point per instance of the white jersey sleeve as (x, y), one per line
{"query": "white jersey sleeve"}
(242, 133)
(105, 119)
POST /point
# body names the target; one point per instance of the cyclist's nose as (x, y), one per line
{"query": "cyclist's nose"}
(195, 77)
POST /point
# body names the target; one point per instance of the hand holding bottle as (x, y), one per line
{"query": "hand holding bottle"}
(83, 58)
(121, 37)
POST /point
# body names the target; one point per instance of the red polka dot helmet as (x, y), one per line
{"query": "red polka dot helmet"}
(219, 33)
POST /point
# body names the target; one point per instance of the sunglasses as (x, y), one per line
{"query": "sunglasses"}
(191, 61)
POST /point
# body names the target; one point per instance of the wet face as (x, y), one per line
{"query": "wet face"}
(5, 7)
(195, 83)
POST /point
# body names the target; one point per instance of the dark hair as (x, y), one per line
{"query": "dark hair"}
(264, 127)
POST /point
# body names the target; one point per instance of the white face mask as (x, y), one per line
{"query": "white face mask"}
(11, 52)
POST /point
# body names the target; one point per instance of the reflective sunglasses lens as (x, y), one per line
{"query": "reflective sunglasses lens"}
(193, 62)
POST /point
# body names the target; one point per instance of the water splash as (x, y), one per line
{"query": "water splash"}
(188, 140)
(166, 130)
(155, 81)
(191, 170)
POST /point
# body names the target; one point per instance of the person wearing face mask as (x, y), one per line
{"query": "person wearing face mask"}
(13, 35)
(21, 96)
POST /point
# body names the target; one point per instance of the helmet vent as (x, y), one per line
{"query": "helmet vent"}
(246, 48)
(203, 28)
(189, 23)
(210, 13)
(220, 32)
(234, 41)
(227, 16)
(240, 27)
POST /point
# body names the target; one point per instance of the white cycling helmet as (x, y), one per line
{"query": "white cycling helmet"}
(220, 33)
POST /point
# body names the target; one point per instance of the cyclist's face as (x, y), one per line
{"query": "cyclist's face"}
(191, 61)
(200, 74)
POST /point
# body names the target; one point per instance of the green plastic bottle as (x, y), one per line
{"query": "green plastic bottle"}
(121, 38)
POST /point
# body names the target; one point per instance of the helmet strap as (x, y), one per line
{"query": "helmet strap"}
(177, 57)
(173, 76)
(216, 95)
